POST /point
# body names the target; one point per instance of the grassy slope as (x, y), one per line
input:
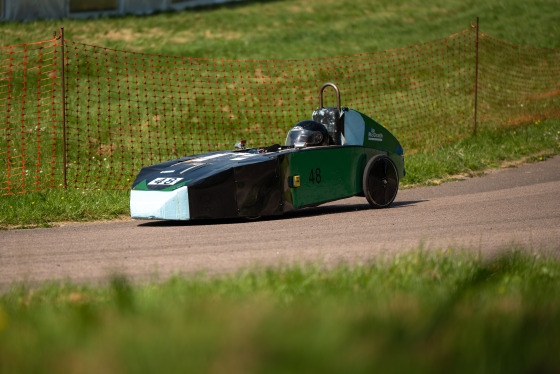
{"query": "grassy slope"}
(298, 29)
(295, 30)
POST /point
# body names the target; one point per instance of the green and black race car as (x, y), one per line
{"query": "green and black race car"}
(339, 153)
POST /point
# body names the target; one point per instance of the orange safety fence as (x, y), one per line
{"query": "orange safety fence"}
(28, 118)
(125, 110)
(517, 84)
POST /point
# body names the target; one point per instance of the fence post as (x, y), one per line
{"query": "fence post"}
(61, 37)
(476, 78)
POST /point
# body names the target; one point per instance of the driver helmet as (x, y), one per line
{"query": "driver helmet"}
(308, 133)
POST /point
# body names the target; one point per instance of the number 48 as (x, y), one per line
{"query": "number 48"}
(315, 176)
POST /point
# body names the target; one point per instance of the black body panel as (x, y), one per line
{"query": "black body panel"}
(259, 191)
(214, 197)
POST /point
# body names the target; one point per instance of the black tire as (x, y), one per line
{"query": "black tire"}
(381, 181)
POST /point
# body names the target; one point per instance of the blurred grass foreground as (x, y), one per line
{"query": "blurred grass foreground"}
(420, 312)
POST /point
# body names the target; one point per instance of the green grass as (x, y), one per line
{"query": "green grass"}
(466, 158)
(43, 208)
(269, 30)
(310, 29)
(425, 104)
(422, 312)
(489, 150)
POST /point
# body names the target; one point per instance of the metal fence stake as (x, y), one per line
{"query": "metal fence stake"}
(476, 78)
(64, 160)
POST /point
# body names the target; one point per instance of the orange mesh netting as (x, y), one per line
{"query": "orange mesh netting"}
(125, 110)
(517, 84)
(28, 119)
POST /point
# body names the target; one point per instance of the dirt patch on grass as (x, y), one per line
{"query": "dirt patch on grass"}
(228, 35)
(301, 9)
(126, 35)
(185, 36)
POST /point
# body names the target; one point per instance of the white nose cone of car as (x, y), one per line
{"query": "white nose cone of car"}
(173, 205)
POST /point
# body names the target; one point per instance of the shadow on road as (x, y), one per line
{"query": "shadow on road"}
(301, 213)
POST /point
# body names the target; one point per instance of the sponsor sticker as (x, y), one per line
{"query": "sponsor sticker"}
(165, 181)
(372, 135)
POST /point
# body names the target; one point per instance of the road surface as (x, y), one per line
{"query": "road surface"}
(520, 205)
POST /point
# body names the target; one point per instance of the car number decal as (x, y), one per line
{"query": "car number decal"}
(315, 176)
(165, 181)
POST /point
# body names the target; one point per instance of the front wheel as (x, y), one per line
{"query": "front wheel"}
(381, 181)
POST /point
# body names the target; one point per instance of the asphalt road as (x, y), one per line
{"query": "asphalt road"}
(520, 205)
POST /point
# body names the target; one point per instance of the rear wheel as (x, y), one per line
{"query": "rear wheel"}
(381, 181)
